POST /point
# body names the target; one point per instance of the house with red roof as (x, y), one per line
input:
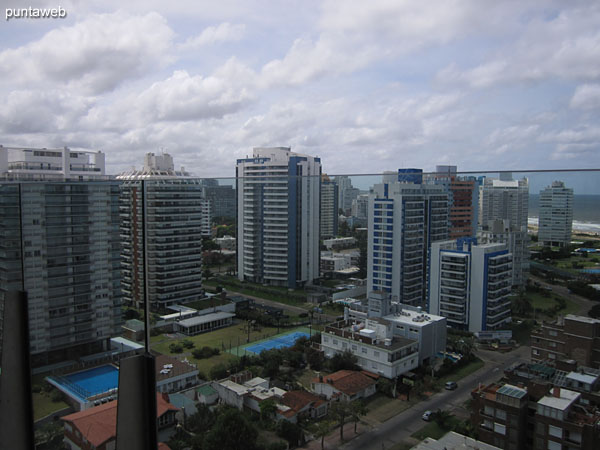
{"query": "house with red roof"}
(298, 404)
(96, 428)
(346, 384)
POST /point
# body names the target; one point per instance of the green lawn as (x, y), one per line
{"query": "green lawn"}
(433, 430)
(567, 263)
(382, 408)
(43, 405)
(222, 339)
(204, 365)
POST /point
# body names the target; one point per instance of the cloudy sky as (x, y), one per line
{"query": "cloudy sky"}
(368, 86)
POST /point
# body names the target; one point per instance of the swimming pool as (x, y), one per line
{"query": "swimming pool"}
(88, 383)
(285, 341)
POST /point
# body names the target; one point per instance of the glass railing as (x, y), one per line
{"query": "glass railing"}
(81, 327)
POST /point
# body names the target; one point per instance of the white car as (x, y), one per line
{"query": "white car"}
(428, 416)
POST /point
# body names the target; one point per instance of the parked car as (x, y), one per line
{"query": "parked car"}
(451, 385)
(428, 416)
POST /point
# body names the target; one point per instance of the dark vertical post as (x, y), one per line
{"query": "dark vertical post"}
(16, 409)
(136, 409)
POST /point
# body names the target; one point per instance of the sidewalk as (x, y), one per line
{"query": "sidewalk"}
(332, 440)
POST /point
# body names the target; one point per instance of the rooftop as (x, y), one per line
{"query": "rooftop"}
(99, 424)
(512, 391)
(559, 398)
(199, 320)
(344, 329)
(453, 441)
(349, 382)
(169, 367)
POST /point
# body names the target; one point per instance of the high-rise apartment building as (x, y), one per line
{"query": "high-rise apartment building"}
(346, 193)
(278, 217)
(503, 210)
(405, 218)
(329, 208)
(463, 201)
(222, 199)
(163, 212)
(60, 243)
(556, 215)
(470, 284)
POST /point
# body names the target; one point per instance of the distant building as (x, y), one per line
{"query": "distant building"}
(572, 337)
(278, 217)
(503, 211)
(164, 216)
(556, 215)
(222, 199)
(96, 428)
(405, 218)
(453, 441)
(339, 243)
(463, 201)
(173, 375)
(346, 193)
(470, 284)
(329, 208)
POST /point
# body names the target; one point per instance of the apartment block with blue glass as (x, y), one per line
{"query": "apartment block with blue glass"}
(278, 217)
(405, 218)
(470, 284)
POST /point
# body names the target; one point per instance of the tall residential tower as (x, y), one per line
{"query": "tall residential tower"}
(278, 217)
(556, 215)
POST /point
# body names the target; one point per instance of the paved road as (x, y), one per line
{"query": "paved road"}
(404, 424)
(584, 304)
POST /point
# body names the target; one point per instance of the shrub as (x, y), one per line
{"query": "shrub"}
(56, 396)
(187, 343)
(175, 348)
(36, 388)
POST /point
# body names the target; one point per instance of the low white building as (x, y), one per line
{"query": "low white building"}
(376, 350)
(173, 375)
(398, 320)
(339, 243)
(202, 324)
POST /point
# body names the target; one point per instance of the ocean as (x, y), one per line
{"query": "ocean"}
(586, 212)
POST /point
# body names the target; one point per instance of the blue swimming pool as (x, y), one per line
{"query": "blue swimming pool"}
(284, 341)
(90, 382)
(590, 270)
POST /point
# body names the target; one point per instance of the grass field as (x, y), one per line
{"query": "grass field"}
(222, 339)
(43, 405)
(539, 302)
(382, 408)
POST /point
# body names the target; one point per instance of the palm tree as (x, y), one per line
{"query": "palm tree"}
(321, 430)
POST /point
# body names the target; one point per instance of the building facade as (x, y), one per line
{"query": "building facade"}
(572, 337)
(60, 243)
(470, 284)
(463, 201)
(329, 208)
(503, 211)
(556, 215)
(405, 218)
(278, 217)
(162, 219)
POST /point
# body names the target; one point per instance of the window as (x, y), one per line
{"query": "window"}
(552, 333)
(551, 355)
(488, 410)
(335, 342)
(501, 414)
(364, 350)
(376, 354)
(554, 445)
(555, 431)
(499, 428)
(535, 351)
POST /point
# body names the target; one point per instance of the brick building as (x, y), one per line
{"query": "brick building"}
(572, 337)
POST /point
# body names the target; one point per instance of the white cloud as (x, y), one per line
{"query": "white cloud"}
(586, 96)
(224, 32)
(94, 55)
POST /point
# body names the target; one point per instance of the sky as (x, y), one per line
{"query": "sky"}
(369, 86)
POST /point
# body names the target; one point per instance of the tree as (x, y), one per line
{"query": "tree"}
(201, 421)
(341, 410)
(231, 432)
(289, 431)
(343, 361)
(442, 418)
(322, 429)
(267, 407)
(217, 372)
(357, 410)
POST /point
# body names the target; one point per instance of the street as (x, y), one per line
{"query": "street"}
(406, 423)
